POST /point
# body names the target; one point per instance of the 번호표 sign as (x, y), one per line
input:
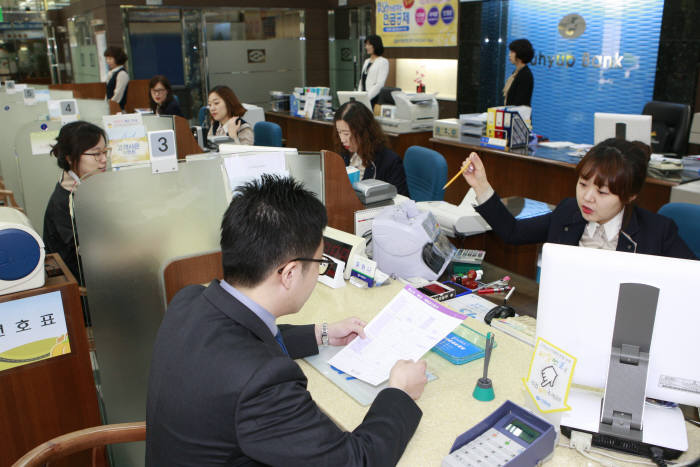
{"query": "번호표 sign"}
(32, 329)
(417, 23)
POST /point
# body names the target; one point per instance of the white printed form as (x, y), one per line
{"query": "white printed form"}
(409, 326)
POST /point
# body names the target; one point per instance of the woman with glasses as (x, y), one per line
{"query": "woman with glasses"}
(227, 116)
(363, 146)
(81, 150)
(602, 215)
(161, 97)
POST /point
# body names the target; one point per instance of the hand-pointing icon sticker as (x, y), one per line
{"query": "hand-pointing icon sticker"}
(549, 376)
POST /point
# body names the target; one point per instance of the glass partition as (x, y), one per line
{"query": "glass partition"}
(38, 171)
(13, 116)
(130, 223)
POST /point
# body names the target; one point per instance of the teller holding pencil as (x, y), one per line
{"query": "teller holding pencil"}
(602, 215)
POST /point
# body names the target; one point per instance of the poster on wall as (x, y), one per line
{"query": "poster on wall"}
(417, 23)
(590, 56)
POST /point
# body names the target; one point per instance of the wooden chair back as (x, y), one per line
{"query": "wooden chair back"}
(199, 269)
(94, 438)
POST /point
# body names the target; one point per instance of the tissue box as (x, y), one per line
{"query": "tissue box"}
(353, 174)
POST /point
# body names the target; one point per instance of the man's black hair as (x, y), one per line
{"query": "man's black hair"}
(269, 222)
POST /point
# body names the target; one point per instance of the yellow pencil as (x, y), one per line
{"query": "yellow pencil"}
(457, 175)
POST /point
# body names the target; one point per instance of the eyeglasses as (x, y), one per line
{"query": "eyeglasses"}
(105, 152)
(323, 263)
(159, 91)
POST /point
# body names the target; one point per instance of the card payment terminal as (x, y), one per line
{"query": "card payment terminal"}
(510, 436)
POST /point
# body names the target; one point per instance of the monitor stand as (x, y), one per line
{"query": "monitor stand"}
(623, 404)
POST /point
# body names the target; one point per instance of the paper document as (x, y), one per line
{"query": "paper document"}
(409, 326)
(241, 169)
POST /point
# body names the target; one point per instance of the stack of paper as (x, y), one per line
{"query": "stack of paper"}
(409, 326)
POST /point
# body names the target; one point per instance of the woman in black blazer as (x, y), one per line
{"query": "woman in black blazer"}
(518, 88)
(161, 97)
(364, 146)
(602, 215)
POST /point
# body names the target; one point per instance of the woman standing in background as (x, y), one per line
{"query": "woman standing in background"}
(117, 78)
(375, 69)
(519, 86)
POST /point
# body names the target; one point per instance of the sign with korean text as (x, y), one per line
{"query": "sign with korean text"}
(417, 23)
(32, 329)
(549, 379)
(127, 138)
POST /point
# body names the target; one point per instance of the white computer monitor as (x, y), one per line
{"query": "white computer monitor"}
(626, 126)
(359, 96)
(577, 307)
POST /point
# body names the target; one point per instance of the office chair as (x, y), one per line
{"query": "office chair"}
(687, 218)
(384, 97)
(426, 173)
(203, 114)
(267, 134)
(670, 122)
(94, 438)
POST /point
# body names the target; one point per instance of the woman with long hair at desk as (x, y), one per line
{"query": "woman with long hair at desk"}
(363, 145)
(610, 177)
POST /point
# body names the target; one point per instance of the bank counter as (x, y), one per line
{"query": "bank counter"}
(315, 135)
(547, 175)
(447, 403)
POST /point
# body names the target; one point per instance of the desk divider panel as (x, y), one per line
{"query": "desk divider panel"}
(131, 224)
(38, 173)
(13, 116)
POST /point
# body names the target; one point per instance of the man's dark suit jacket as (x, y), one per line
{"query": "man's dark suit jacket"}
(652, 233)
(222, 392)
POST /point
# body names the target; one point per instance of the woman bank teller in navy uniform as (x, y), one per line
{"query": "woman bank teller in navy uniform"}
(610, 177)
(364, 146)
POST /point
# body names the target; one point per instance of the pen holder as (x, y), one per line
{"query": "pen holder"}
(484, 390)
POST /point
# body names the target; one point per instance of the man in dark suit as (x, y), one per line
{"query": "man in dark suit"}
(224, 388)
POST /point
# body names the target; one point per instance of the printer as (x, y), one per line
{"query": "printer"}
(412, 112)
(372, 191)
(462, 220)
(21, 253)
(408, 242)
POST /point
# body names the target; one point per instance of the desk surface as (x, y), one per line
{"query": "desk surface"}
(447, 404)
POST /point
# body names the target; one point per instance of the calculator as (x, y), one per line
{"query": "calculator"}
(510, 436)
(469, 256)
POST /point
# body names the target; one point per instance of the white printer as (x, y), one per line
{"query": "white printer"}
(462, 220)
(21, 253)
(408, 242)
(413, 112)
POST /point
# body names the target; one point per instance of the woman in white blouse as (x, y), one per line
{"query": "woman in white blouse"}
(227, 116)
(117, 78)
(375, 69)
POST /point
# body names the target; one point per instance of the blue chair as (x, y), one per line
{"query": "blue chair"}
(426, 173)
(203, 114)
(267, 134)
(687, 218)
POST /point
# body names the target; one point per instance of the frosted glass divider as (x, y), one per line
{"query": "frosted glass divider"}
(38, 173)
(130, 223)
